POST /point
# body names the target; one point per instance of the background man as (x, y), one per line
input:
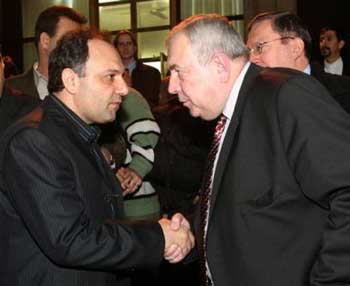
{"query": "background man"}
(58, 195)
(332, 42)
(274, 207)
(50, 26)
(144, 78)
(281, 39)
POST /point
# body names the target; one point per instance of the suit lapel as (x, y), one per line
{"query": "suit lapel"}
(252, 72)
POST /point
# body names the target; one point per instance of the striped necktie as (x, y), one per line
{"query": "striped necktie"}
(206, 190)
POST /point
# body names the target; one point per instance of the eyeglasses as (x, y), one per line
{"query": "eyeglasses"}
(258, 49)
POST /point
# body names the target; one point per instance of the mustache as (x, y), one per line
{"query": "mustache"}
(325, 50)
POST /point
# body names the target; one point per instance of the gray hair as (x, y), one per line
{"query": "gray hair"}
(210, 33)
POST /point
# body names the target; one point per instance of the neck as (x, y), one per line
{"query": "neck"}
(332, 59)
(128, 61)
(43, 66)
(301, 63)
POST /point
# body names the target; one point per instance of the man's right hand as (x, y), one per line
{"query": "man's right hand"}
(178, 242)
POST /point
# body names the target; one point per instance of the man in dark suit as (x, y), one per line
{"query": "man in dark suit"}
(144, 78)
(13, 104)
(275, 206)
(58, 197)
(332, 46)
(50, 26)
(281, 39)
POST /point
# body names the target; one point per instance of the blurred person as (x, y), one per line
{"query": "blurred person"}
(281, 39)
(141, 133)
(274, 206)
(332, 43)
(50, 26)
(143, 78)
(68, 221)
(13, 104)
(10, 67)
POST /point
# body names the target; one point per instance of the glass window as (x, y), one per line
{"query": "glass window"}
(114, 18)
(151, 44)
(155, 64)
(153, 13)
(109, 1)
(225, 8)
(239, 26)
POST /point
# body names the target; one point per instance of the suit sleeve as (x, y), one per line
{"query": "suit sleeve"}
(43, 188)
(316, 136)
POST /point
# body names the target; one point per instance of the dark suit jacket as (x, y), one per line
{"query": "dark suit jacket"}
(14, 104)
(280, 206)
(346, 66)
(146, 80)
(24, 82)
(55, 211)
(338, 86)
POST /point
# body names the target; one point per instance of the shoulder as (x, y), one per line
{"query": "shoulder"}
(134, 103)
(274, 80)
(336, 84)
(283, 88)
(27, 75)
(15, 103)
(19, 97)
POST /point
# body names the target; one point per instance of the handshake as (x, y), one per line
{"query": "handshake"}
(179, 239)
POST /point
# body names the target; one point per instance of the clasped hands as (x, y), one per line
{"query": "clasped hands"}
(179, 239)
(129, 180)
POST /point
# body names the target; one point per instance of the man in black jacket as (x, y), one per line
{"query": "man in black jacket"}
(143, 78)
(280, 39)
(59, 199)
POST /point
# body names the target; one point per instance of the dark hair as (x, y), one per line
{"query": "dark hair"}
(124, 32)
(48, 19)
(339, 32)
(286, 24)
(72, 51)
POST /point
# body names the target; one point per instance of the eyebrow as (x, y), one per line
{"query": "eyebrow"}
(113, 71)
(175, 66)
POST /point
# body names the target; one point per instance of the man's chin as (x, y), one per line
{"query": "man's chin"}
(194, 112)
(325, 52)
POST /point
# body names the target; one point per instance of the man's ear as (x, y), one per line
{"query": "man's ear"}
(298, 47)
(44, 40)
(341, 44)
(221, 66)
(70, 80)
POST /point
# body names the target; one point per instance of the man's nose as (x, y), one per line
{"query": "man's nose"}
(122, 87)
(173, 84)
(254, 58)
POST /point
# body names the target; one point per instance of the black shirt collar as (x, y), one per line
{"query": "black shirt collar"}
(89, 133)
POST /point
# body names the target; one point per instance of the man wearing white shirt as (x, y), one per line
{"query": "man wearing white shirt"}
(332, 42)
(275, 213)
(50, 26)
